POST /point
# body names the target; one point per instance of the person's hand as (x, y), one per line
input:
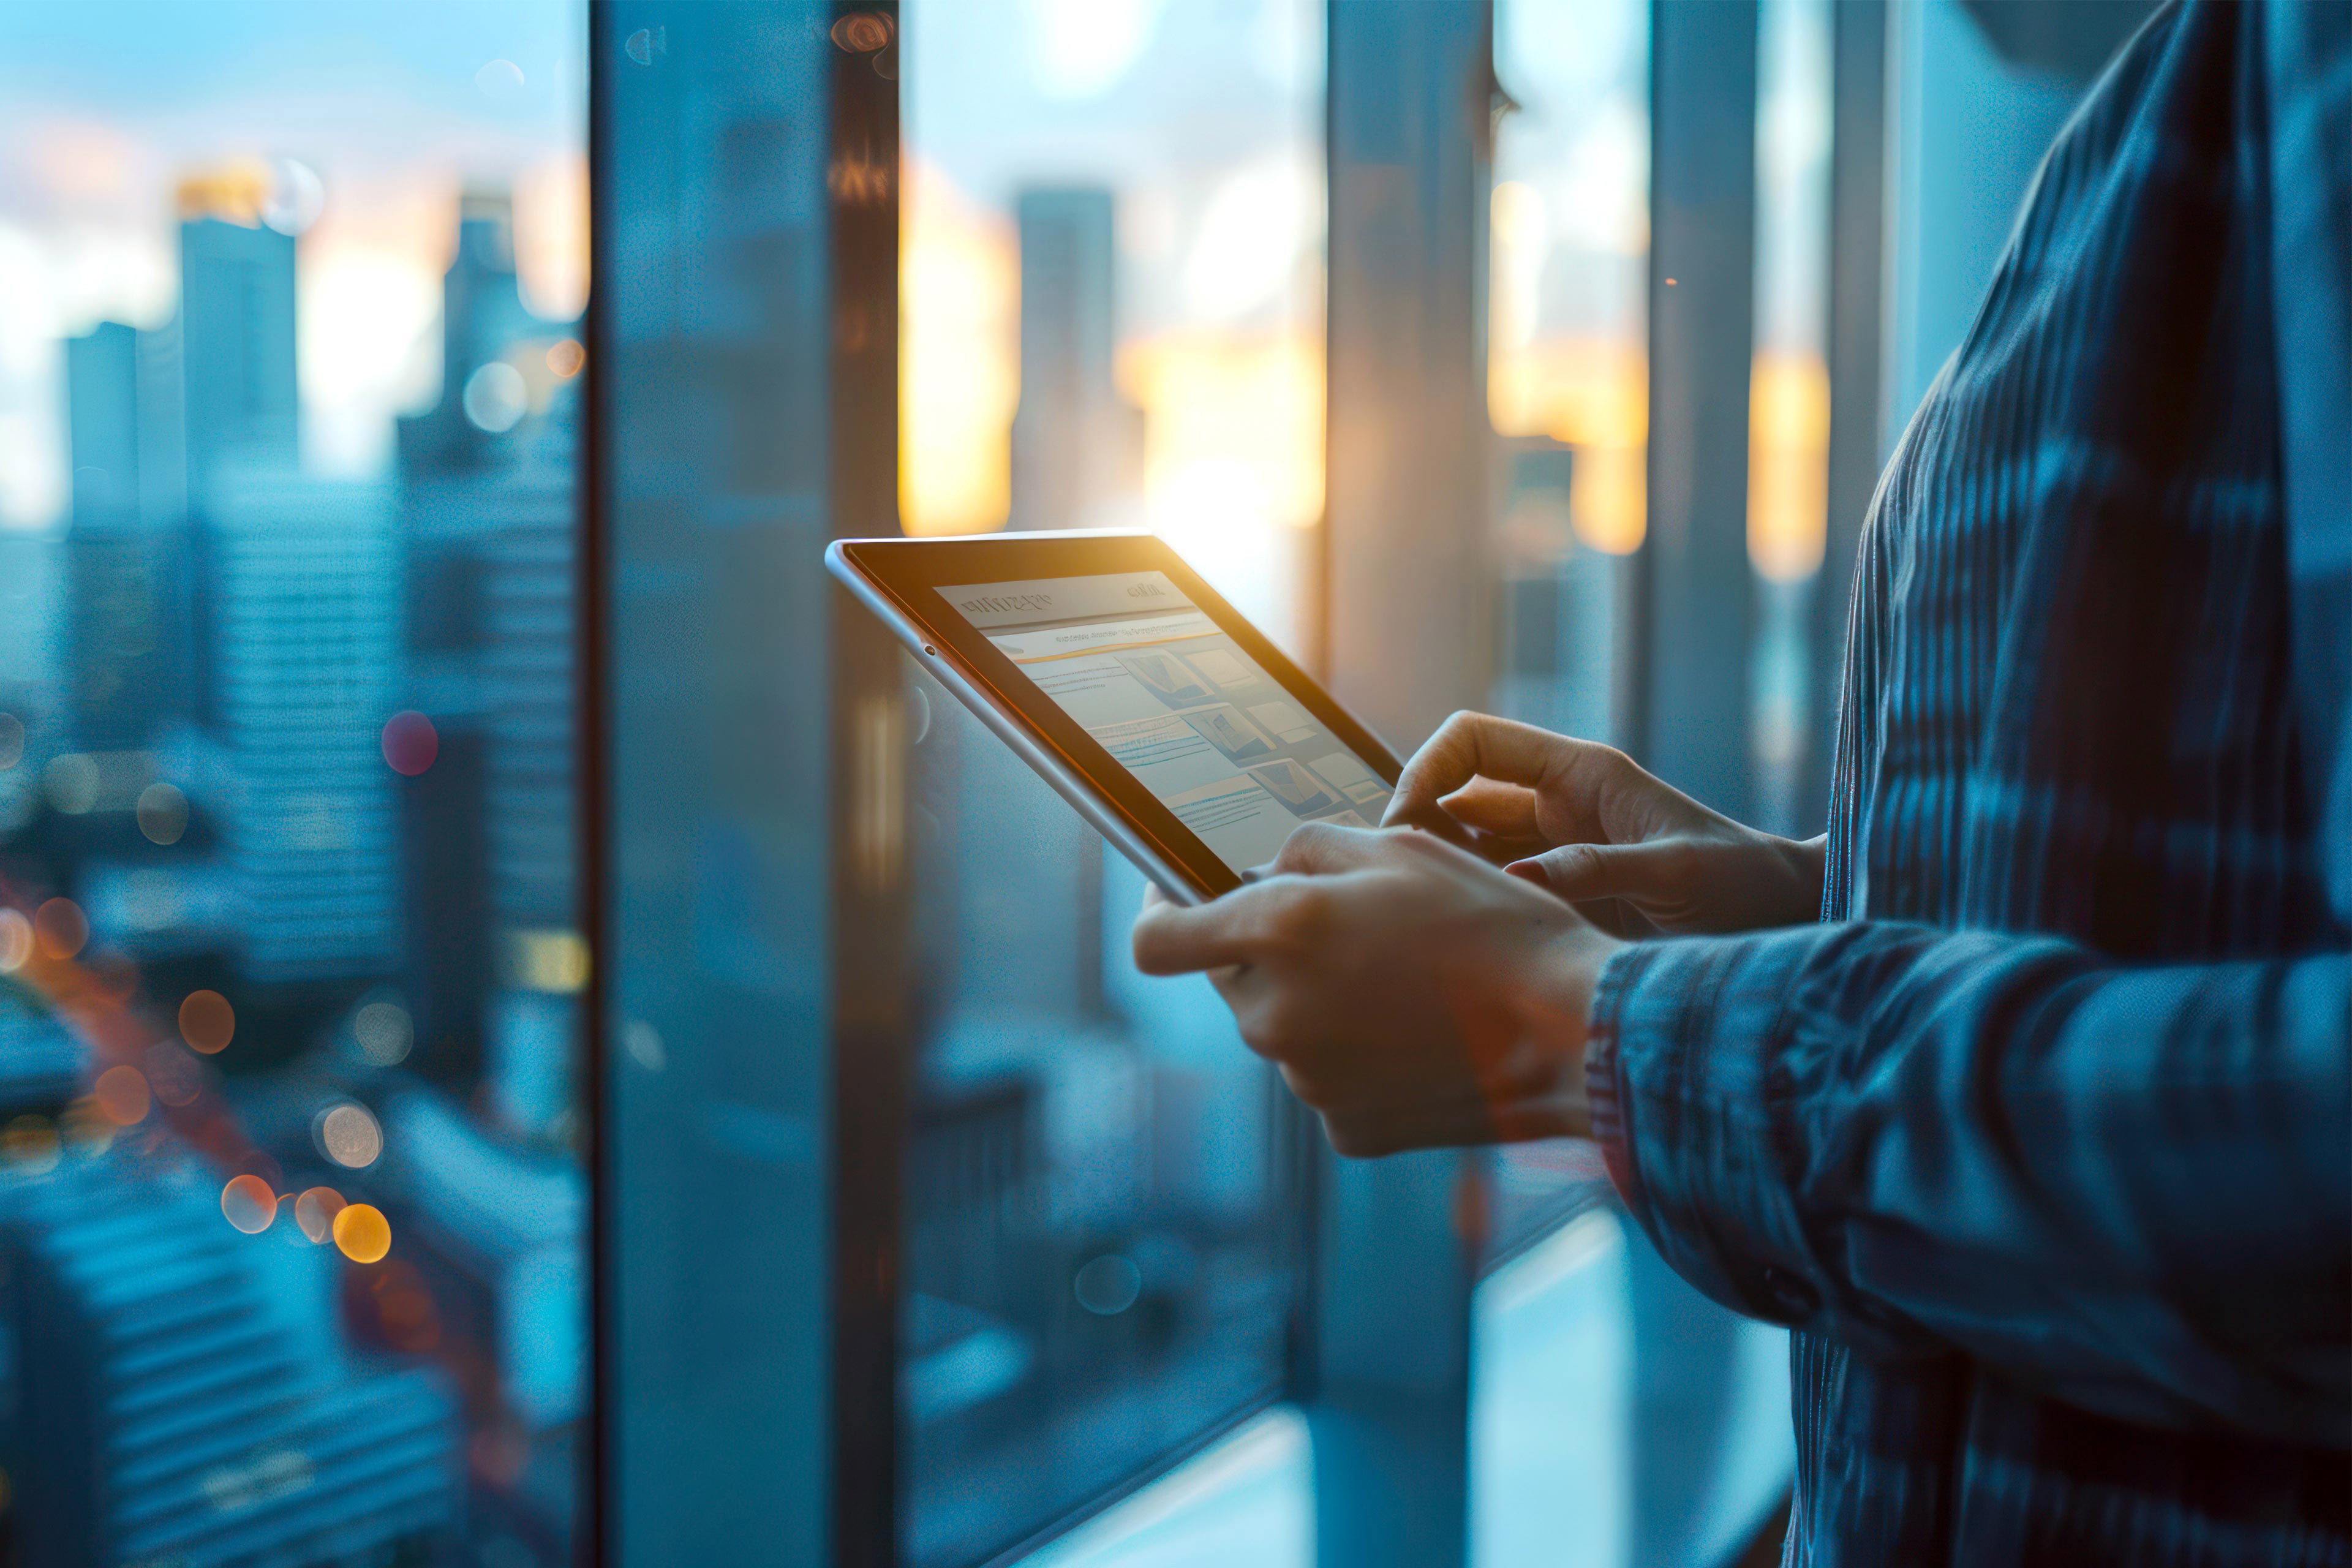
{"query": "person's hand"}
(1584, 821)
(1412, 994)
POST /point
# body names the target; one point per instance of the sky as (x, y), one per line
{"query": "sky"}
(1204, 116)
(396, 105)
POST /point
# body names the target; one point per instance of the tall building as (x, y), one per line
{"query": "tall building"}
(307, 590)
(487, 527)
(482, 320)
(1559, 621)
(40, 1061)
(129, 619)
(1027, 873)
(236, 341)
(186, 1405)
(153, 418)
(1077, 444)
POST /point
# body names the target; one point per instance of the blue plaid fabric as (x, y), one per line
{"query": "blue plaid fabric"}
(2041, 1142)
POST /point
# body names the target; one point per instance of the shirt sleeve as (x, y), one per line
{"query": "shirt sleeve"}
(2129, 1188)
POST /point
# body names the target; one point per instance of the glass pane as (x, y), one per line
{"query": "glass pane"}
(1112, 274)
(714, 316)
(291, 1214)
(1568, 382)
(1788, 393)
(1568, 390)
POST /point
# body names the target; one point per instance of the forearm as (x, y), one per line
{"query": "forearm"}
(2126, 1186)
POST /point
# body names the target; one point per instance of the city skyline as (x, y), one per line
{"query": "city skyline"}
(366, 1032)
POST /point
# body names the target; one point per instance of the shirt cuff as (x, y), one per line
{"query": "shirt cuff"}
(1686, 1082)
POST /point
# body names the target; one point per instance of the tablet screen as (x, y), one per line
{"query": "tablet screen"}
(1180, 705)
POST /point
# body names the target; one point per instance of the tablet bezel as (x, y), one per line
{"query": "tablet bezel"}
(906, 571)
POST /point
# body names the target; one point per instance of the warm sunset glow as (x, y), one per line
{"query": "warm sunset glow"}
(550, 236)
(1592, 393)
(959, 359)
(1250, 404)
(233, 193)
(1788, 464)
(1232, 417)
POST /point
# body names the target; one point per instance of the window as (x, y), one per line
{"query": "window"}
(292, 1212)
(1112, 274)
(418, 1145)
(1568, 379)
(1789, 400)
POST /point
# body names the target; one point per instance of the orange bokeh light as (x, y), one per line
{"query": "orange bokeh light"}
(249, 1203)
(362, 1233)
(60, 929)
(121, 1094)
(207, 1022)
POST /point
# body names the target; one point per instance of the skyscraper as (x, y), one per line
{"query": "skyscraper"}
(306, 581)
(487, 535)
(189, 1402)
(1077, 444)
(40, 1062)
(128, 615)
(482, 320)
(236, 340)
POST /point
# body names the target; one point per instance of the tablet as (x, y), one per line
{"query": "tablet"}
(1165, 718)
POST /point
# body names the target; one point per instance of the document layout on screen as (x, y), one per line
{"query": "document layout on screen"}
(1180, 705)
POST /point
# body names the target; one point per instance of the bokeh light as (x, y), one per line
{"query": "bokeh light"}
(12, 740)
(296, 196)
(60, 929)
(15, 941)
(174, 1076)
(501, 81)
(315, 1212)
(348, 1135)
(207, 1022)
(122, 1095)
(361, 1233)
(163, 813)
(72, 784)
(496, 397)
(410, 743)
(1108, 1286)
(565, 356)
(249, 1203)
(385, 1033)
(862, 32)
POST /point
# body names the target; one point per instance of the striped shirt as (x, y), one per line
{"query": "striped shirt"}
(2041, 1142)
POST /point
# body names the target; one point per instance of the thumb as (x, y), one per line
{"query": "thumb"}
(1645, 873)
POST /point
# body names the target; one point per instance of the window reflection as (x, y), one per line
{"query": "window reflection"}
(1788, 393)
(1567, 390)
(1568, 379)
(290, 1215)
(1112, 302)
